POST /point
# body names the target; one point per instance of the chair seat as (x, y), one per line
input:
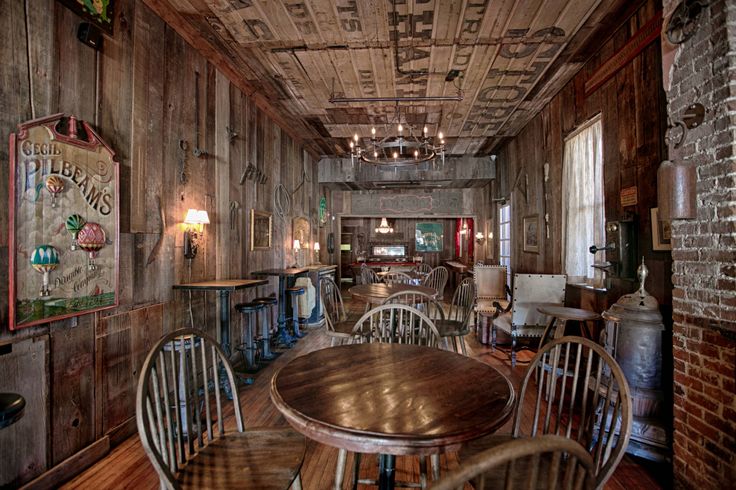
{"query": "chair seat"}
(451, 328)
(266, 459)
(503, 322)
(485, 305)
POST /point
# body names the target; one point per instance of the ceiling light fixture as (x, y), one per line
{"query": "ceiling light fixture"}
(384, 227)
(402, 148)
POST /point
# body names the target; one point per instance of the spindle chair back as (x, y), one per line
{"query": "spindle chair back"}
(396, 323)
(580, 393)
(421, 301)
(368, 275)
(544, 462)
(179, 413)
(396, 277)
(423, 267)
(457, 324)
(437, 279)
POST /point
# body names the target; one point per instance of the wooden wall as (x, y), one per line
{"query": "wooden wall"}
(79, 375)
(633, 116)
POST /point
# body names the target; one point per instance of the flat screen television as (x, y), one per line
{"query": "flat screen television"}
(388, 250)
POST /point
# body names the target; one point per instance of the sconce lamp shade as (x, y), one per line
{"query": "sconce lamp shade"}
(676, 191)
(479, 236)
(316, 246)
(197, 217)
(296, 245)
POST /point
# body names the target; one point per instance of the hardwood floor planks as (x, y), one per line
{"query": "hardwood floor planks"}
(128, 467)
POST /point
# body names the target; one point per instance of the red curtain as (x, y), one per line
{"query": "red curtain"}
(464, 226)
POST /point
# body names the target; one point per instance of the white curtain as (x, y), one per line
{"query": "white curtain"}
(583, 213)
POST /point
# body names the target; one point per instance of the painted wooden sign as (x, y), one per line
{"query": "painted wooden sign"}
(63, 220)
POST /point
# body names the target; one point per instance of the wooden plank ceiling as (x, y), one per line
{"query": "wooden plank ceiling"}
(293, 55)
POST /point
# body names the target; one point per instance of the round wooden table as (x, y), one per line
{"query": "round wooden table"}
(559, 316)
(375, 294)
(391, 399)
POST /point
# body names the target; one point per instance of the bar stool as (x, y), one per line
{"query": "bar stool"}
(250, 351)
(294, 293)
(268, 303)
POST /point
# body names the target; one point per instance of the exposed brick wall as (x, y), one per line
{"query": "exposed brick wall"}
(704, 257)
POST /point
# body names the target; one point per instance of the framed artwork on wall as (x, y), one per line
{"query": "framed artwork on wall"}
(661, 232)
(428, 237)
(260, 230)
(63, 221)
(531, 233)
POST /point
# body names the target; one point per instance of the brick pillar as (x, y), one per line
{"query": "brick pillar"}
(704, 254)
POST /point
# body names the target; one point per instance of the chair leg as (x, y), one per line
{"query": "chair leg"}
(513, 351)
(297, 483)
(423, 464)
(340, 468)
(462, 345)
(435, 466)
(493, 336)
(356, 471)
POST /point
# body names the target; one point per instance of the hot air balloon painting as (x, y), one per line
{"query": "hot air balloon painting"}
(45, 259)
(54, 184)
(74, 224)
(91, 238)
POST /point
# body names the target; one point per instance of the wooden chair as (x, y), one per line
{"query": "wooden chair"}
(368, 275)
(179, 412)
(530, 291)
(421, 301)
(544, 462)
(338, 324)
(456, 325)
(580, 393)
(395, 277)
(396, 323)
(437, 279)
(423, 267)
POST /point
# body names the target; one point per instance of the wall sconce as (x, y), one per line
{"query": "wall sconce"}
(490, 235)
(316, 251)
(296, 246)
(479, 238)
(193, 229)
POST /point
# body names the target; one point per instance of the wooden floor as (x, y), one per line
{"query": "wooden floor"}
(128, 467)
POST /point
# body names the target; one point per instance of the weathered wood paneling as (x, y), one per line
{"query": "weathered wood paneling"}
(632, 111)
(139, 94)
(24, 444)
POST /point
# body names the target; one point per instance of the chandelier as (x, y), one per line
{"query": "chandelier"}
(384, 227)
(402, 148)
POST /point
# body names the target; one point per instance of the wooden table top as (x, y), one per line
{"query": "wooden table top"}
(567, 313)
(288, 272)
(391, 398)
(377, 292)
(222, 284)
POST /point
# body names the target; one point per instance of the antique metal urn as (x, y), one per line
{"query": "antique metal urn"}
(633, 337)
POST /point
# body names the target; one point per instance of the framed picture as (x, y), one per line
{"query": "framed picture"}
(300, 230)
(99, 12)
(661, 232)
(428, 237)
(260, 230)
(63, 221)
(531, 233)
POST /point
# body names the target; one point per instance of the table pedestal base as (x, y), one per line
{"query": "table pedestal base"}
(386, 472)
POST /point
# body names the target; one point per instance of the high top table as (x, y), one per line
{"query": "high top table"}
(407, 400)
(225, 287)
(283, 275)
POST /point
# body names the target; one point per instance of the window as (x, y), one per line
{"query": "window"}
(583, 213)
(504, 239)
